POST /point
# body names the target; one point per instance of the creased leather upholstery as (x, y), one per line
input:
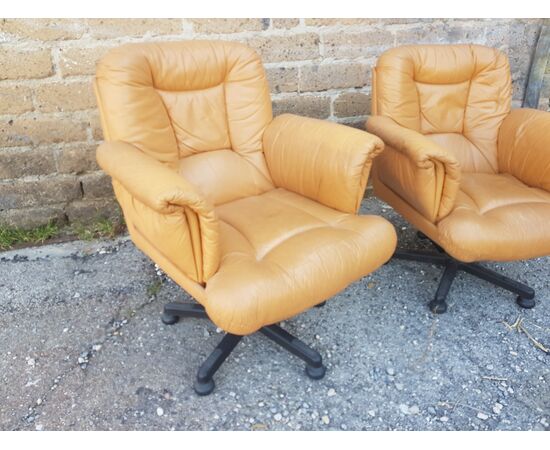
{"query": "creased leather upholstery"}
(453, 90)
(166, 203)
(416, 168)
(464, 169)
(294, 254)
(221, 102)
(496, 214)
(322, 161)
(524, 147)
(213, 174)
(254, 241)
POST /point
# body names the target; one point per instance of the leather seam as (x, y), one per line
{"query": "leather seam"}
(514, 204)
(481, 153)
(466, 105)
(419, 104)
(325, 224)
(244, 157)
(169, 121)
(175, 91)
(201, 275)
(243, 235)
(287, 238)
(226, 110)
(482, 211)
(311, 215)
(473, 201)
(259, 256)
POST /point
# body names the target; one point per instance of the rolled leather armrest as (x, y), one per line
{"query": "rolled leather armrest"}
(324, 161)
(147, 179)
(171, 214)
(524, 146)
(417, 169)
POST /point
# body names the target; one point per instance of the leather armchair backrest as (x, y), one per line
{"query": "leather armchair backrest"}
(177, 101)
(457, 95)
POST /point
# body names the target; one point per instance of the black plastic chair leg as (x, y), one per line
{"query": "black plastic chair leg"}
(314, 362)
(204, 383)
(421, 256)
(526, 294)
(173, 311)
(421, 236)
(439, 305)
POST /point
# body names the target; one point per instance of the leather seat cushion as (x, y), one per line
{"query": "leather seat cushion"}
(283, 253)
(497, 217)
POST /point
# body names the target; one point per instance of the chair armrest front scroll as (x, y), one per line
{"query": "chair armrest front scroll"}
(417, 169)
(169, 211)
(524, 146)
(321, 160)
(149, 180)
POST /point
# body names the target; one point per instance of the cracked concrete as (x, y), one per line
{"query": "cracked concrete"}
(82, 347)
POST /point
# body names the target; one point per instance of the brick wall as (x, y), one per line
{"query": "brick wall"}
(544, 100)
(49, 125)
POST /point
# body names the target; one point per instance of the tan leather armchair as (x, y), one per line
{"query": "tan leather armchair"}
(469, 173)
(254, 217)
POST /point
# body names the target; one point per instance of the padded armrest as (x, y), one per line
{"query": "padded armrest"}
(150, 181)
(524, 147)
(417, 169)
(321, 160)
(163, 203)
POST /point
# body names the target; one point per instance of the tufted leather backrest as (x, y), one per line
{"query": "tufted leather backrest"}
(457, 95)
(200, 106)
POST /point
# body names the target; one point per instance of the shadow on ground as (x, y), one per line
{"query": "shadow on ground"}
(82, 347)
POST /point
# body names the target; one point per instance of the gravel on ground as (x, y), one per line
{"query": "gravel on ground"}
(82, 347)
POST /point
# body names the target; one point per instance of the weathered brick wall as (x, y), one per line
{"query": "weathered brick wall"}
(544, 101)
(49, 125)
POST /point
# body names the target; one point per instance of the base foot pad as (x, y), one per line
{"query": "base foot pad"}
(526, 303)
(204, 387)
(316, 373)
(437, 307)
(169, 319)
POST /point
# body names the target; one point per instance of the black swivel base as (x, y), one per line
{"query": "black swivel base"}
(204, 384)
(525, 294)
